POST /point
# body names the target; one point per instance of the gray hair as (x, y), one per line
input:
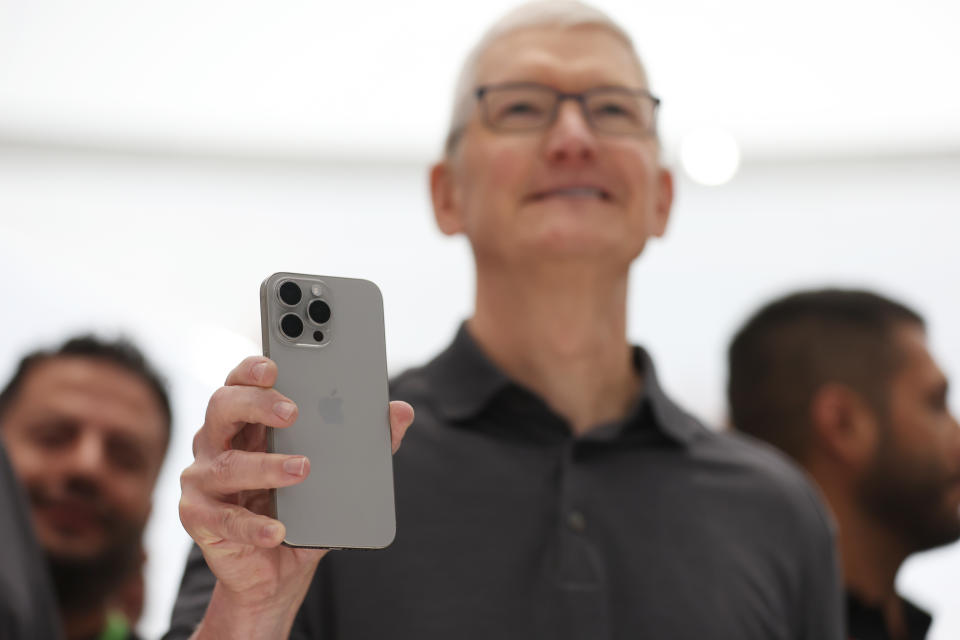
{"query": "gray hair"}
(544, 13)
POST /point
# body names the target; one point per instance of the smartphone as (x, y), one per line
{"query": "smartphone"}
(326, 336)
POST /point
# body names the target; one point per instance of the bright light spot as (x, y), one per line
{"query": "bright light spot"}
(710, 156)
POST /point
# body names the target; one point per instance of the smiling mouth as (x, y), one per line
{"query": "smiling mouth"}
(74, 517)
(572, 192)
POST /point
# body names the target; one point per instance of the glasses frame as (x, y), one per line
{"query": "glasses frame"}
(559, 96)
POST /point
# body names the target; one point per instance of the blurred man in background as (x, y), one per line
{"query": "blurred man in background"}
(843, 382)
(550, 488)
(86, 428)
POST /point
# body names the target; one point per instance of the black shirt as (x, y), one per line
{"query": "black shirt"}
(509, 526)
(867, 623)
(28, 609)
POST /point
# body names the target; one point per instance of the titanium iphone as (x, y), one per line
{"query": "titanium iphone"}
(326, 335)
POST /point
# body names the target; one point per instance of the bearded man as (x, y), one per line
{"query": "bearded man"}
(86, 428)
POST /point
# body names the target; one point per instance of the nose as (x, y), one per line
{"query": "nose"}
(570, 140)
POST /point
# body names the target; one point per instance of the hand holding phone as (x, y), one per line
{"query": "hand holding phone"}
(226, 505)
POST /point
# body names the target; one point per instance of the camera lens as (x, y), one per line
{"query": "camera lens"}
(291, 325)
(290, 293)
(318, 336)
(319, 311)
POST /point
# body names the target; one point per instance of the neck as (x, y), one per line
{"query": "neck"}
(871, 555)
(84, 624)
(560, 332)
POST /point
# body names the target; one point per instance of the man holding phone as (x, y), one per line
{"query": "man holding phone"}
(550, 489)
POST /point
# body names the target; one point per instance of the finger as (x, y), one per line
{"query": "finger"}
(255, 371)
(234, 470)
(213, 523)
(232, 408)
(401, 417)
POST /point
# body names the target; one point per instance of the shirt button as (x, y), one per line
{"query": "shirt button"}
(577, 521)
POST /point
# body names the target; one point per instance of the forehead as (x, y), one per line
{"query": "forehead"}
(90, 390)
(568, 58)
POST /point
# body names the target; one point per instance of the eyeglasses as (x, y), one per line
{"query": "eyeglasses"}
(528, 106)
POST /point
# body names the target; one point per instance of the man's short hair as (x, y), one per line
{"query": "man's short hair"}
(795, 345)
(545, 13)
(120, 352)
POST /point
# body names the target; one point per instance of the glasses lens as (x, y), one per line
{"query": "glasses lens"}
(518, 108)
(618, 111)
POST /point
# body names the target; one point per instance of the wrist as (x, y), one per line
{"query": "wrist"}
(227, 618)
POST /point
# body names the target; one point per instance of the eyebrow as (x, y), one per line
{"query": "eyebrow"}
(47, 416)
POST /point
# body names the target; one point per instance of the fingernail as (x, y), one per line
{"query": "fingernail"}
(258, 371)
(284, 409)
(271, 532)
(295, 466)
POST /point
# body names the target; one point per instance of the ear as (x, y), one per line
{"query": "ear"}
(442, 192)
(664, 201)
(844, 426)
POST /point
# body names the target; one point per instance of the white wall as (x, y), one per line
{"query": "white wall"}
(172, 251)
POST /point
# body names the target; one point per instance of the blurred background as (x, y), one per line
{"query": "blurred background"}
(159, 159)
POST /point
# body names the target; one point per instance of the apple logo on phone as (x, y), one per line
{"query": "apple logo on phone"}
(331, 408)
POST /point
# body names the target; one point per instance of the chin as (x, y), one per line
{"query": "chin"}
(583, 244)
(938, 533)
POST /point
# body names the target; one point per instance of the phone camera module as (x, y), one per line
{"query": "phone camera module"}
(319, 311)
(290, 293)
(291, 326)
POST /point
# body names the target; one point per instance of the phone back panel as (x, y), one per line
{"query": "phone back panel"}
(339, 384)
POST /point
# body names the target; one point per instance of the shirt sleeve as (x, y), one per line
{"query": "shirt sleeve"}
(28, 610)
(193, 597)
(316, 619)
(821, 615)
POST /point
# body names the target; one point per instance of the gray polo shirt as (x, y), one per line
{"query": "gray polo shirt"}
(509, 526)
(28, 609)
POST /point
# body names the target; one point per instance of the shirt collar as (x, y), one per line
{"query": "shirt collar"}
(671, 419)
(462, 378)
(465, 382)
(865, 621)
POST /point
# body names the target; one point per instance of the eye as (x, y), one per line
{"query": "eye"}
(520, 108)
(614, 109)
(126, 454)
(516, 108)
(53, 435)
